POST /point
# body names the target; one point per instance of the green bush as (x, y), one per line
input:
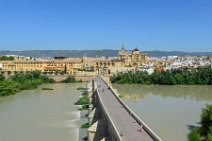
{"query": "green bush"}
(85, 126)
(204, 132)
(84, 93)
(82, 101)
(69, 79)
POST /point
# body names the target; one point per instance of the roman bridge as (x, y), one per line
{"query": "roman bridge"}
(112, 120)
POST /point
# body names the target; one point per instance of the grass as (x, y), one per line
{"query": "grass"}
(82, 101)
(47, 89)
(81, 88)
(84, 93)
(85, 126)
(120, 96)
(84, 107)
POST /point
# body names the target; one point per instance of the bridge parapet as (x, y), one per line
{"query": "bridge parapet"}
(102, 113)
(101, 126)
(141, 122)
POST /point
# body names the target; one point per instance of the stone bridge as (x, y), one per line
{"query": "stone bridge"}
(110, 119)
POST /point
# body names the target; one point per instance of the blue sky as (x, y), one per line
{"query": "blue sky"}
(170, 25)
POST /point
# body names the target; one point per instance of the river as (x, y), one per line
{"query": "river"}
(169, 111)
(38, 115)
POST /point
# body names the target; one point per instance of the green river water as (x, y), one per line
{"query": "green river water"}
(168, 110)
(38, 115)
(34, 115)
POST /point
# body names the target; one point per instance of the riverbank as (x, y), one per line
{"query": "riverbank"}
(196, 76)
(22, 81)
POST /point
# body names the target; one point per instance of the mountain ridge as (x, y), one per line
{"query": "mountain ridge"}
(96, 53)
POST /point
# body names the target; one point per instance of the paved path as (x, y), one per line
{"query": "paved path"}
(123, 121)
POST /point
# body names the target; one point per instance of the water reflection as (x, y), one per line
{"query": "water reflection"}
(136, 92)
(170, 111)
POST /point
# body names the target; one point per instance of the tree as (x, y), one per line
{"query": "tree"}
(4, 58)
(9, 72)
(56, 72)
(204, 132)
(194, 135)
(65, 69)
(62, 72)
(199, 76)
(210, 134)
(206, 120)
(69, 79)
(2, 77)
(36, 74)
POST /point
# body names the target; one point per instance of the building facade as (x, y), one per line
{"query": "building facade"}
(133, 58)
(125, 61)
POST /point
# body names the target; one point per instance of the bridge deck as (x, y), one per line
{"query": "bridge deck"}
(126, 125)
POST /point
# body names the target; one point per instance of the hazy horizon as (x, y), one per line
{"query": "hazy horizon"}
(106, 49)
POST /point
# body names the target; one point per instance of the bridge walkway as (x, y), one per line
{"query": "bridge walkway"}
(126, 125)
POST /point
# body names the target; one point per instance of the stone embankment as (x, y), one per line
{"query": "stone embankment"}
(83, 78)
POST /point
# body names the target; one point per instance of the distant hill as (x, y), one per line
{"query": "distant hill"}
(98, 53)
(157, 53)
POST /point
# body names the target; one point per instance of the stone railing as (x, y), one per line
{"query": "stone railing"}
(141, 122)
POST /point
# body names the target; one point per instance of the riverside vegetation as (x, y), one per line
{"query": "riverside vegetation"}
(6, 58)
(204, 132)
(83, 101)
(47, 89)
(198, 76)
(26, 81)
(22, 81)
(69, 79)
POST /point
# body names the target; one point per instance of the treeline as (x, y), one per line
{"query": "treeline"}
(5, 58)
(27, 81)
(198, 76)
(22, 81)
(204, 132)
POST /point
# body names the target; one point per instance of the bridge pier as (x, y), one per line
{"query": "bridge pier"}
(93, 116)
(96, 131)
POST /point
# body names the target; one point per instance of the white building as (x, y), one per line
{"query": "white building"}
(147, 68)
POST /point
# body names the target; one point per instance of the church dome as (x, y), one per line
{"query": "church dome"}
(135, 49)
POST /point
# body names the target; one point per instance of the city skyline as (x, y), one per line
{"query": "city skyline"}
(96, 25)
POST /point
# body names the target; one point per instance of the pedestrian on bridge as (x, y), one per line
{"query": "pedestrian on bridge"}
(141, 127)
